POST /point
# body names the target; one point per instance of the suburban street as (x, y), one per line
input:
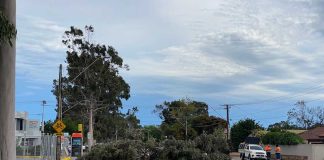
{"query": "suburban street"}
(162, 79)
(234, 156)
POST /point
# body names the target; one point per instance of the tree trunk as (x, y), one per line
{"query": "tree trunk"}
(7, 88)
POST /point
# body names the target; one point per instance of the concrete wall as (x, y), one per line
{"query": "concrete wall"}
(299, 150)
(312, 151)
(318, 151)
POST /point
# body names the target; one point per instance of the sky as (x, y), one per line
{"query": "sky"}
(262, 55)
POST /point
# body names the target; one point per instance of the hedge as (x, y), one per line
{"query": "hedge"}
(281, 138)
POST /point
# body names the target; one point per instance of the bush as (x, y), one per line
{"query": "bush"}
(282, 138)
(204, 147)
(189, 150)
(121, 150)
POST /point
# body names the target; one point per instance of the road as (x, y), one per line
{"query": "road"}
(235, 156)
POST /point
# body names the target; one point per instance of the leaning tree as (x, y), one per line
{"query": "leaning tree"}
(93, 84)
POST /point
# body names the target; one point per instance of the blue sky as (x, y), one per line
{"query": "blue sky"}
(218, 52)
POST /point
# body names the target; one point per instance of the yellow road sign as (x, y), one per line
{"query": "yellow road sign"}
(80, 127)
(58, 126)
(59, 134)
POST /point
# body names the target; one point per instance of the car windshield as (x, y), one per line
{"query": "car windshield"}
(255, 148)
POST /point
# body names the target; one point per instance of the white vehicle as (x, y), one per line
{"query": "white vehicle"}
(253, 151)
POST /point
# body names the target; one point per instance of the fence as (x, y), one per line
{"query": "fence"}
(311, 151)
(33, 148)
(48, 149)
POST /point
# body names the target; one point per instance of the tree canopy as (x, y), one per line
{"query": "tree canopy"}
(92, 83)
(187, 116)
(241, 130)
(306, 117)
(283, 125)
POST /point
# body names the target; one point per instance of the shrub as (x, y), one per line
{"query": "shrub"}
(204, 147)
(282, 138)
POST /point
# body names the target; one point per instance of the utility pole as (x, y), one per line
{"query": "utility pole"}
(59, 113)
(227, 107)
(43, 129)
(43, 104)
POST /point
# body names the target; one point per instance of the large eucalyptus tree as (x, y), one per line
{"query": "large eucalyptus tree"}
(93, 83)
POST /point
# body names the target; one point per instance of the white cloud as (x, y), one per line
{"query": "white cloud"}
(271, 48)
(39, 49)
(237, 48)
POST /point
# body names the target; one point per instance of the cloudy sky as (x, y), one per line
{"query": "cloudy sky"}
(264, 55)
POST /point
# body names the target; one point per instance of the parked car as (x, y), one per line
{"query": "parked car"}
(252, 151)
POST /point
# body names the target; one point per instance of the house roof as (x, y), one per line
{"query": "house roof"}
(313, 134)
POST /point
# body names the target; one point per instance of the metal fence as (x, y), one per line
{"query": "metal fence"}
(48, 149)
(36, 149)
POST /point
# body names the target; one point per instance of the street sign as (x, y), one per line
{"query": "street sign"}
(80, 127)
(59, 134)
(58, 126)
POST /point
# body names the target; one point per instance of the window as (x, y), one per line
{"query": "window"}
(255, 148)
(19, 124)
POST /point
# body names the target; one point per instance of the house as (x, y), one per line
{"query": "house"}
(27, 130)
(313, 136)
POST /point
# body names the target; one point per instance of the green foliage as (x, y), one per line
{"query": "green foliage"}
(177, 130)
(123, 126)
(241, 130)
(121, 150)
(71, 125)
(7, 30)
(281, 138)
(93, 83)
(205, 147)
(152, 132)
(48, 127)
(211, 143)
(283, 125)
(259, 133)
(181, 114)
(207, 124)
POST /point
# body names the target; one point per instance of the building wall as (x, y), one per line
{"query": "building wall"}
(318, 151)
(312, 151)
(30, 130)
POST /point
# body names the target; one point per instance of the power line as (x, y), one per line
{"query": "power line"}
(216, 112)
(36, 101)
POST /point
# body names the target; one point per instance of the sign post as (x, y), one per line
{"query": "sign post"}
(59, 125)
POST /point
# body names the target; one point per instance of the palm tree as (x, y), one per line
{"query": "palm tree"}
(7, 88)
